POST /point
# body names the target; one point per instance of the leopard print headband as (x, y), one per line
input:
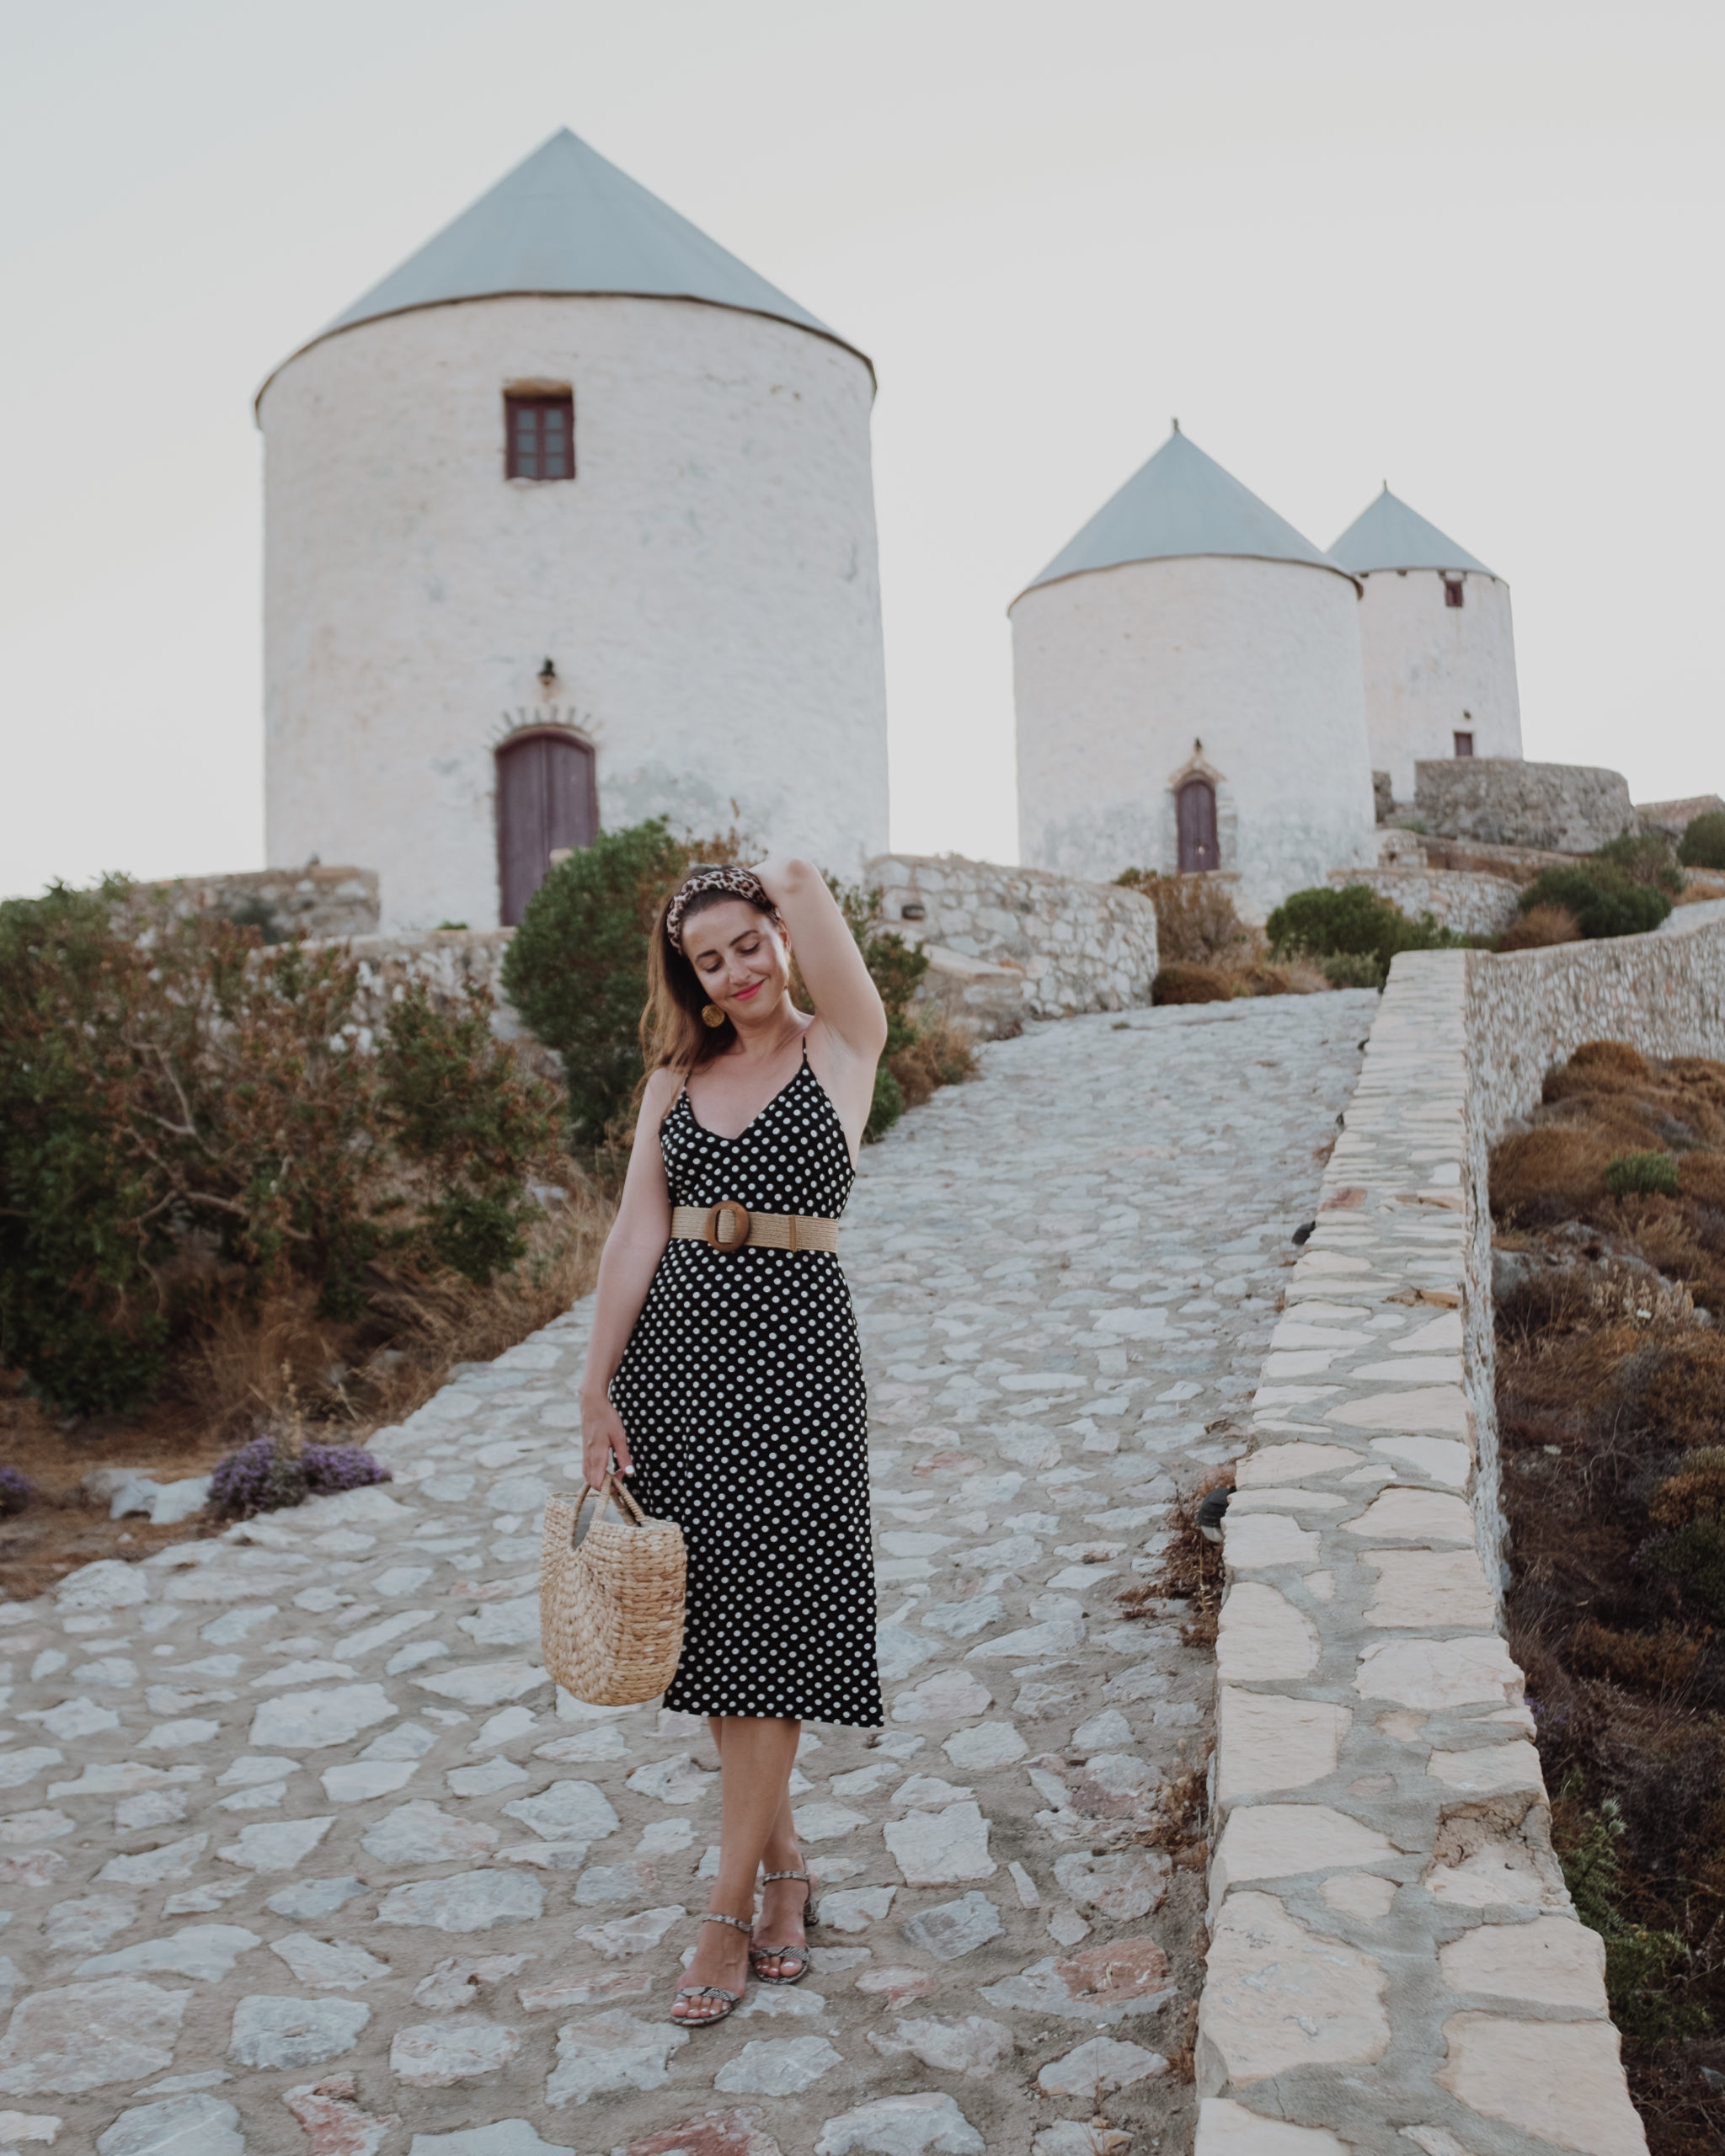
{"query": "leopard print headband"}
(736, 882)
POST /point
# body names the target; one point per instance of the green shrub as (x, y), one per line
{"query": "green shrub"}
(1640, 1965)
(1641, 1175)
(184, 1113)
(1353, 969)
(1351, 921)
(576, 971)
(1604, 898)
(1690, 1506)
(896, 968)
(1645, 858)
(1702, 845)
(576, 967)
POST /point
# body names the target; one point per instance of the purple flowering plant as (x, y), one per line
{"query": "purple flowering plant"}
(271, 1473)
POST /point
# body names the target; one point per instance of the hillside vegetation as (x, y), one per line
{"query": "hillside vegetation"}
(1610, 1271)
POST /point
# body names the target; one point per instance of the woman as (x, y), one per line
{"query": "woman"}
(724, 1377)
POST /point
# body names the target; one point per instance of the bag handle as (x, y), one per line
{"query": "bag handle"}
(609, 1489)
(619, 1491)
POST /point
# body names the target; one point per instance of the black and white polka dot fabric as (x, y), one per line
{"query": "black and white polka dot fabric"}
(742, 1393)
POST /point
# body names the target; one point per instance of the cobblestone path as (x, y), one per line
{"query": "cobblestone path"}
(302, 1854)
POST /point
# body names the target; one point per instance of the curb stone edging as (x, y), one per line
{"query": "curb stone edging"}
(1395, 1963)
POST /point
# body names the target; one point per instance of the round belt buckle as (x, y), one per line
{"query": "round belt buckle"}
(727, 1226)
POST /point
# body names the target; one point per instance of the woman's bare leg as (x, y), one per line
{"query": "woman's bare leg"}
(784, 1905)
(755, 1754)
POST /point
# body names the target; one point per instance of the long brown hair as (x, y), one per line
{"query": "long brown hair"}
(674, 1035)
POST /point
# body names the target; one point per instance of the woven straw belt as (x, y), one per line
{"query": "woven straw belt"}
(729, 1225)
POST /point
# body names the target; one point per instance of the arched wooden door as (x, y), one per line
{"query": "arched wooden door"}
(547, 797)
(1196, 803)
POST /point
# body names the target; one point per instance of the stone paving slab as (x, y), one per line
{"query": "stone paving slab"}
(302, 1851)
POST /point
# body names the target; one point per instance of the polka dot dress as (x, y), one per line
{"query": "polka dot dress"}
(741, 1391)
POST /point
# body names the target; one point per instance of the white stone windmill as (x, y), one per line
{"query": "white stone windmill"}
(569, 521)
(1437, 644)
(1186, 677)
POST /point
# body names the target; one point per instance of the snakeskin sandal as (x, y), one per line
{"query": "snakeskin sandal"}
(733, 2000)
(799, 1955)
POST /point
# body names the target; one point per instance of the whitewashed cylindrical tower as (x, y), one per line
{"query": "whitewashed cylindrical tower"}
(570, 522)
(1187, 678)
(1436, 641)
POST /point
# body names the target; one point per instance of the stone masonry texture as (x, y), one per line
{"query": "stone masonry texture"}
(1394, 1958)
(303, 1854)
(1567, 807)
(313, 901)
(1006, 944)
(1078, 945)
(1471, 904)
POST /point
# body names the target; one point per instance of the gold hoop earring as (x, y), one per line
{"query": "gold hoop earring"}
(710, 1014)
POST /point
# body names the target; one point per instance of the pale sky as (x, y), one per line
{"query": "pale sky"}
(1471, 248)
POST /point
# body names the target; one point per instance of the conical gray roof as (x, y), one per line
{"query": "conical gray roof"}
(1391, 536)
(1181, 503)
(568, 220)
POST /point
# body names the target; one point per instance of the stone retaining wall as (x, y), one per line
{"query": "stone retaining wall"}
(442, 961)
(315, 901)
(1472, 906)
(1568, 807)
(1395, 1963)
(1519, 864)
(1079, 946)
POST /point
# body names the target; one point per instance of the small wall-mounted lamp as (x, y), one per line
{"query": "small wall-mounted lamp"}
(547, 676)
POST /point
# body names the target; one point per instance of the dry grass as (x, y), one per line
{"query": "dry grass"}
(1182, 1817)
(1194, 983)
(1192, 1569)
(1540, 927)
(1611, 1414)
(438, 1325)
(942, 1054)
(1556, 1172)
(1662, 1662)
(1196, 923)
(1207, 953)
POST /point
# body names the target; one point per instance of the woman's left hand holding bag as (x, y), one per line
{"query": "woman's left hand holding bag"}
(602, 1436)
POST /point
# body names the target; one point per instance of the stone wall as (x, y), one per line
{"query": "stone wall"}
(1078, 945)
(1395, 1960)
(1672, 818)
(315, 901)
(442, 961)
(1519, 864)
(1567, 807)
(1471, 904)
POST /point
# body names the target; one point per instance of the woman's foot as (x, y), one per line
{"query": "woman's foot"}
(721, 1965)
(779, 1950)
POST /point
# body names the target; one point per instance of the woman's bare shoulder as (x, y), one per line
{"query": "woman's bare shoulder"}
(662, 1088)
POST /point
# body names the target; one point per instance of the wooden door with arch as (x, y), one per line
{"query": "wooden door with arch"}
(547, 798)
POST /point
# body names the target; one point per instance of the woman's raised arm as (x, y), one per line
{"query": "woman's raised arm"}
(846, 999)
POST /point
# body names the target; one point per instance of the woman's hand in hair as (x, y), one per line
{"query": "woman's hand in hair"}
(602, 1435)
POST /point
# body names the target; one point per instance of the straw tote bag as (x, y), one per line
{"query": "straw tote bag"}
(610, 1609)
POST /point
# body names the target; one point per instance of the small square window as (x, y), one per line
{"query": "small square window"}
(1452, 592)
(539, 437)
(1464, 744)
